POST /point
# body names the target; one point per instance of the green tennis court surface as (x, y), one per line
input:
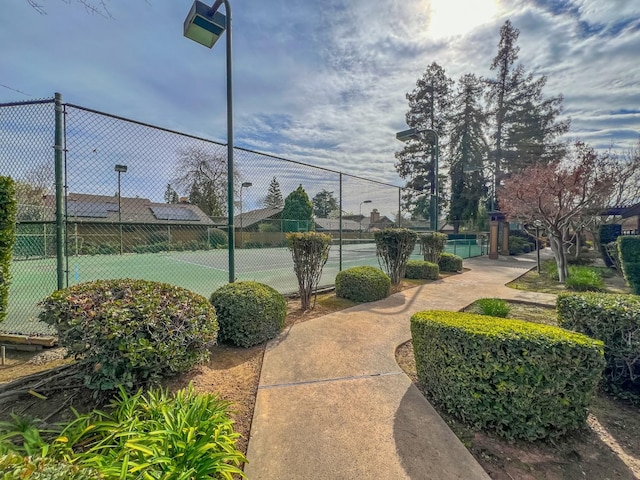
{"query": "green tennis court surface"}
(199, 271)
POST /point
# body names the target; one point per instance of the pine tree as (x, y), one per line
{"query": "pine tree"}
(429, 107)
(468, 150)
(323, 203)
(525, 124)
(274, 195)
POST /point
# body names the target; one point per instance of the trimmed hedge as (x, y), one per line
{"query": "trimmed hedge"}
(422, 269)
(130, 332)
(614, 319)
(249, 312)
(363, 284)
(608, 233)
(450, 263)
(433, 245)
(8, 212)
(517, 379)
(629, 255)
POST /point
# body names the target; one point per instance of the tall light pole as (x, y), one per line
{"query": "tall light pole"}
(244, 185)
(205, 25)
(414, 134)
(364, 201)
(120, 169)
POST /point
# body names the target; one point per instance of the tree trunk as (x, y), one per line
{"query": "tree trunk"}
(557, 248)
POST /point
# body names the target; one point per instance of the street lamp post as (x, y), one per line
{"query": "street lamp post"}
(414, 134)
(537, 224)
(205, 25)
(120, 169)
(244, 185)
(364, 201)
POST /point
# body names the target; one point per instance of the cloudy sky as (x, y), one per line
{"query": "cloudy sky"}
(321, 82)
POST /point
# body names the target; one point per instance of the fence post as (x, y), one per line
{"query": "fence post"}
(58, 149)
(340, 227)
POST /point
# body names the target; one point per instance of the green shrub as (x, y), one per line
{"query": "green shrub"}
(15, 466)
(450, 263)
(493, 307)
(218, 238)
(249, 313)
(433, 245)
(584, 279)
(362, 284)
(185, 435)
(614, 319)
(608, 233)
(518, 379)
(310, 252)
(393, 248)
(131, 331)
(422, 269)
(629, 256)
(8, 212)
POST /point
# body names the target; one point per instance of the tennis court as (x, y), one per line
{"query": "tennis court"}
(199, 271)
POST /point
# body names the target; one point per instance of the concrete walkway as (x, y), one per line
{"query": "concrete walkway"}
(333, 403)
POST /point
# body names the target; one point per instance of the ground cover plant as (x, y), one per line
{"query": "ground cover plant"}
(496, 374)
(362, 284)
(248, 312)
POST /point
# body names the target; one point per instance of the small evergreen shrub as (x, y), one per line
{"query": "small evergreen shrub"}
(608, 233)
(629, 256)
(584, 279)
(394, 246)
(129, 332)
(185, 435)
(362, 284)
(493, 307)
(8, 212)
(433, 245)
(310, 252)
(450, 263)
(249, 313)
(614, 319)
(218, 238)
(422, 269)
(500, 375)
(518, 245)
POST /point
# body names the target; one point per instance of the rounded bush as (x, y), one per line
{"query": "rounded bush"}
(518, 379)
(422, 270)
(249, 312)
(131, 331)
(218, 238)
(450, 263)
(363, 284)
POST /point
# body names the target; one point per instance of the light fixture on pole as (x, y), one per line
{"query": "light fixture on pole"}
(364, 201)
(243, 185)
(414, 134)
(120, 169)
(537, 224)
(205, 25)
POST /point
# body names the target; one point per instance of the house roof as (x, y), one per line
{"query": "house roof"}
(631, 211)
(104, 209)
(251, 217)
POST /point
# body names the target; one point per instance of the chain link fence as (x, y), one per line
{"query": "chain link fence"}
(140, 201)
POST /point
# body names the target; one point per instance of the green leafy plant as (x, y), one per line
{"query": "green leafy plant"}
(156, 435)
(433, 245)
(549, 269)
(393, 248)
(310, 252)
(218, 238)
(629, 255)
(518, 245)
(128, 332)
(450, 263)
(517, 379)
(362, 284)
(17, 466)
(608, 233)
(297, 213)
(614, 319)
(249, 313)
(493, 307)
(8, 212)
(422, 269)
(584, 279)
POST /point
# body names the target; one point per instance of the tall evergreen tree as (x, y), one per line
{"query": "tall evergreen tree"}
(274, 195)
(468, 151)
(323, 203)
(297, 214)
(429, 107)
(525, 124)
